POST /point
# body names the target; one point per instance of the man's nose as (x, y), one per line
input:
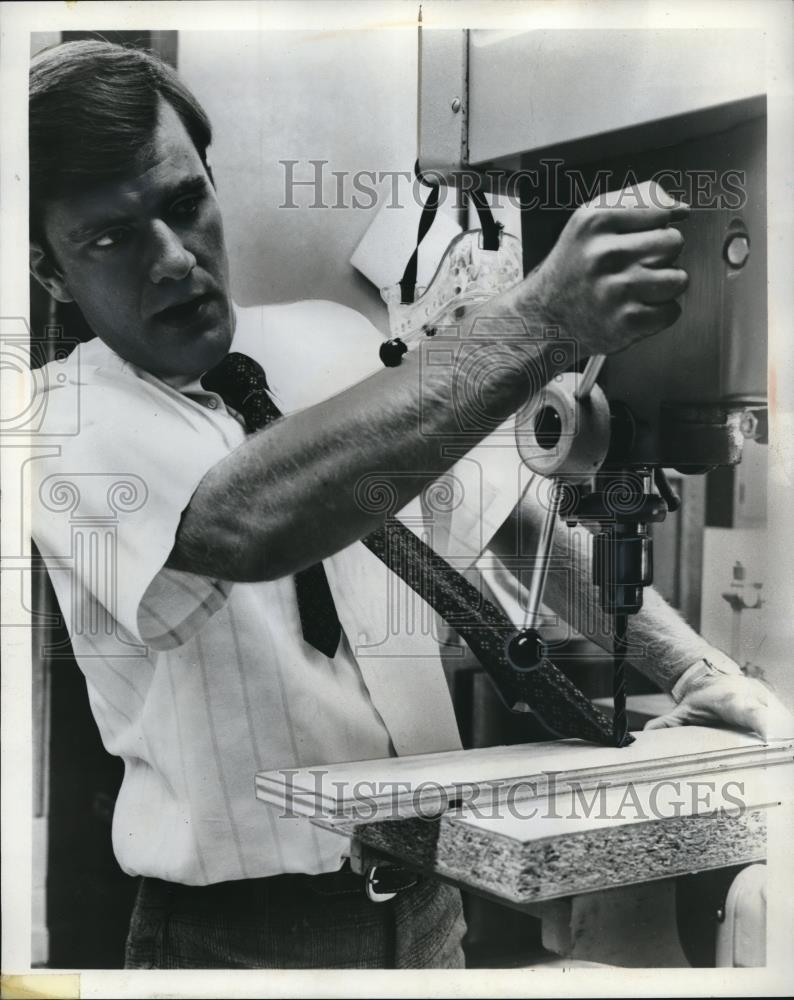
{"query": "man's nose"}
(170, 259)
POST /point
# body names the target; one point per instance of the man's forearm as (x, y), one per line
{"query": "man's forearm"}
(288, 496)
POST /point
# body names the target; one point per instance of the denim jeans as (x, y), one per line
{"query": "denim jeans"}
(288, 922)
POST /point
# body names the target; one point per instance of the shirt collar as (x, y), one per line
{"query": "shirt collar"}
(185, 383)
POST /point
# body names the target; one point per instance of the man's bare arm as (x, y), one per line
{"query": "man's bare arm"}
(287, 496)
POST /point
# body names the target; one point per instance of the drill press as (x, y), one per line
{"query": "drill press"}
(685, 400)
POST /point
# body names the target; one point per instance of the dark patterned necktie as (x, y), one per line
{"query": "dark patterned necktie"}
(241, 383)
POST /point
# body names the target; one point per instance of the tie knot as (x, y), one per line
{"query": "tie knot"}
(234, 378)
(241, 383)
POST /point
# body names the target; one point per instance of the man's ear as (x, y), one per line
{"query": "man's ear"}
(46, 272)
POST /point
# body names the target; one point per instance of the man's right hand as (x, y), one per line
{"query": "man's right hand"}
(609, 280)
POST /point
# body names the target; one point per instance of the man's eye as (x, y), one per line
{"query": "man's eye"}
(186, 207)
(109, 239)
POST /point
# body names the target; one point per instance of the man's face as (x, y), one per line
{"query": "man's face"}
(144, 258)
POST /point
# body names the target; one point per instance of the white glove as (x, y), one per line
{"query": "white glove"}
(708, 693)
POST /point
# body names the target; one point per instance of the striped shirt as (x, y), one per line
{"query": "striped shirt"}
(198, 683)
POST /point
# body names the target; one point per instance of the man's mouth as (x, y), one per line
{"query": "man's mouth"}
(183, 312)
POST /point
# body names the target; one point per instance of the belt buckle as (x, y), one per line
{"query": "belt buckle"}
(369, 887)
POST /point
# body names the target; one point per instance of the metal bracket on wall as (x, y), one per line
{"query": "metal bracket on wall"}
(443, 100)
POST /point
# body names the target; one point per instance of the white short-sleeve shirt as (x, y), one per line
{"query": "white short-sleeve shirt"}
(198, 683)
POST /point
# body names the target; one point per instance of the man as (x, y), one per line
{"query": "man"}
(183, 594)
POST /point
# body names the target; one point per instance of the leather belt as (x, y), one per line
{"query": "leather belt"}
(380, 883)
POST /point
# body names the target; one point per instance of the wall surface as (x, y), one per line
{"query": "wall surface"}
(348, 98)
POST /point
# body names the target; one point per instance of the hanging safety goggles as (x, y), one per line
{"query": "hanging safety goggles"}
(477, 265)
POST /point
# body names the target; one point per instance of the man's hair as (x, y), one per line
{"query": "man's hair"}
(93, 109)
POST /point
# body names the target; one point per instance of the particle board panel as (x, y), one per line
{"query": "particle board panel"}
(524, 824)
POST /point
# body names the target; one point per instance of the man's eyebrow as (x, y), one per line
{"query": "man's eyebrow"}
(187, 186)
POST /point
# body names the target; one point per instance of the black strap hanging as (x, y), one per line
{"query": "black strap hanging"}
(490, 232)
(490, 229)
(408, 280)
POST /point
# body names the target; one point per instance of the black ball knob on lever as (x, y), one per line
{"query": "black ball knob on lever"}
(526, 650)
